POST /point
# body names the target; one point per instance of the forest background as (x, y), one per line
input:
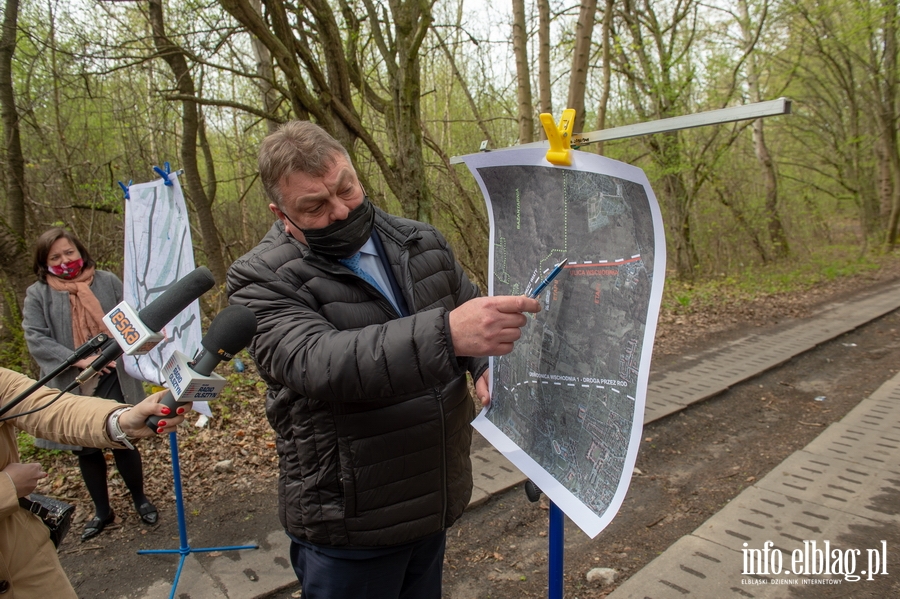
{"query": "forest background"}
(93, 94)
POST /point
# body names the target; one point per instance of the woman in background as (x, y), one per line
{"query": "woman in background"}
(63, 310)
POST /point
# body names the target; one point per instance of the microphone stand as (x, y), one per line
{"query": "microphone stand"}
(230, 331)
(85, 350)
(185, 549)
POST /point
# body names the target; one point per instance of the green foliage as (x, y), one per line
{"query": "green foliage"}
(97, 108)
(29, 453)
(829, 264)
(683, 299)
(243, 393)
(13, 350)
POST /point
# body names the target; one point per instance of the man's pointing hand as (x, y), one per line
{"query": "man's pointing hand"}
(488, 326)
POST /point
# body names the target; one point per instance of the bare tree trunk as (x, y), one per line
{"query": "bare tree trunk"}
(412, 20)
(845, 101)
(473, 106)
(607, 69)
(14, 275)
(525, 113)
(867, 193)
(191, 132)
(544, 58)
(893, 222)
(884, 186)
(888, 118)
(14, 263)
(266, 73)
(777, 235)
(749, 31)
(580, 62)
(55, 140)
(741, 219)
(15, 161)
(667, 151)
(13, 248)
(646, 57)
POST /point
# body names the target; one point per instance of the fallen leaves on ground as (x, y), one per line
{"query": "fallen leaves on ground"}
(238, 431)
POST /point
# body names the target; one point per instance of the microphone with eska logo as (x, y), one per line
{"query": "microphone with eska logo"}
(135, 333)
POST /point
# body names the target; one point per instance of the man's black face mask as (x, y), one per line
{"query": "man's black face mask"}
(342, 238)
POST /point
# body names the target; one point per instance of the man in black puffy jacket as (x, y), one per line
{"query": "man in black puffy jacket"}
(367, 329)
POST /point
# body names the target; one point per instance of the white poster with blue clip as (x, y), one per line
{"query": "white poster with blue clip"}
(158, 252)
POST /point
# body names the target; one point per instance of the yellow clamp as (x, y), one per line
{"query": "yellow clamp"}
(560, 152)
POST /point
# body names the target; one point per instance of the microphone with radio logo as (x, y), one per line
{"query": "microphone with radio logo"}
(230, 331)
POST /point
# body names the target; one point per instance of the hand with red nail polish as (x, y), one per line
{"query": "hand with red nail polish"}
(133, 421)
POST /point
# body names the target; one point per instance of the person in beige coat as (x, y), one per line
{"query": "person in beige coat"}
(29, 566)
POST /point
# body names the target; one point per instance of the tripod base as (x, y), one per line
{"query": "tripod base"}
(185, 548)
(185, 551)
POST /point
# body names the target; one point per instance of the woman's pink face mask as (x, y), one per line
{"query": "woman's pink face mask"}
(67, 270)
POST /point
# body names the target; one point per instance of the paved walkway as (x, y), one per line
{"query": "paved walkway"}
(840, 491)
(249, 574)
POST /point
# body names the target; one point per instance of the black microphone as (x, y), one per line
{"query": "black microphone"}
(89, 347)
(176, 298)
(109, 351)
(230, 331)
(127, 336)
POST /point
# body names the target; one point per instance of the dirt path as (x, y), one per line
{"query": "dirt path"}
(691, 464)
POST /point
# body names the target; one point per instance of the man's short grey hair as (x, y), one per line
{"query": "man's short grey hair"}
(297, 146)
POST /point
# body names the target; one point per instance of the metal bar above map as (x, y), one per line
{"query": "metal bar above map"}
(689, 121)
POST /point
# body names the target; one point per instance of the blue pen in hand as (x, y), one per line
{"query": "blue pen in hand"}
(543, 284)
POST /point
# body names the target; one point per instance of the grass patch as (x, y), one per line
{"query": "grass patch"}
(775, 279)
(28, 452)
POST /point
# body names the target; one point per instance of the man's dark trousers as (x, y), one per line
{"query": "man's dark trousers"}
(408, 571)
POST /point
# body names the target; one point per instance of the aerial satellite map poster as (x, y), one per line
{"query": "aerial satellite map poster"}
(567, 404)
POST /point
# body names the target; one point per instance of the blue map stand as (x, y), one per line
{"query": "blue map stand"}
(185, 549)
(556, 538)
(555, 558)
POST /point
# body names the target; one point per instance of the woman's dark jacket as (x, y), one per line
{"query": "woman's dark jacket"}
(371, 411)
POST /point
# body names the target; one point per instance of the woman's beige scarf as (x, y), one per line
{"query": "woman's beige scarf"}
(87, 314)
